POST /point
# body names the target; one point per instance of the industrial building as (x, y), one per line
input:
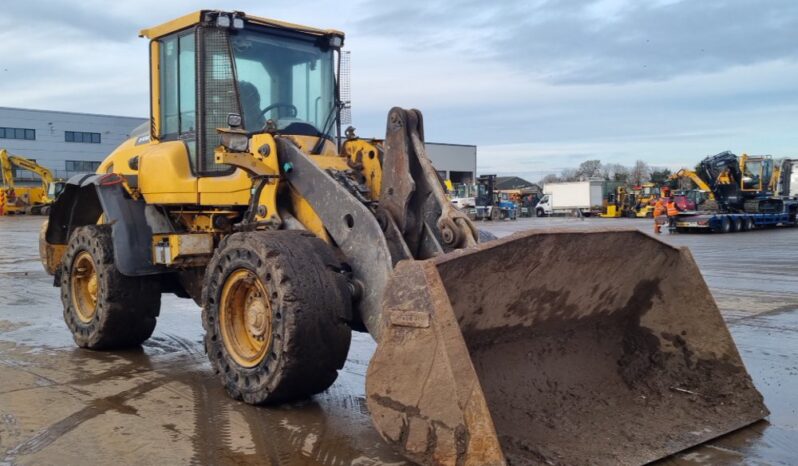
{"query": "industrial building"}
(70, 143)
(67, 143)
(455, 162)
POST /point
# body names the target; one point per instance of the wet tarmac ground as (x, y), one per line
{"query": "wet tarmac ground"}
(161, 404)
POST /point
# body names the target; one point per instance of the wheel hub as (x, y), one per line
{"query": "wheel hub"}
(245, 318)
(84, 286)
(257, 322)
(91, 287)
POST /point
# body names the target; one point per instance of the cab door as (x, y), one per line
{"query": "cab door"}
(167, 168)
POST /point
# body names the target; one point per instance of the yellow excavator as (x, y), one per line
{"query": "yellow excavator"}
(244, 194)
(26, 199)
(750, 183)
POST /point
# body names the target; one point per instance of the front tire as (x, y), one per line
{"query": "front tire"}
(103, 308)
(275, 312)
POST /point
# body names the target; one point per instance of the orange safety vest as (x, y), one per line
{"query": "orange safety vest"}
(673, 211)
(659, 208)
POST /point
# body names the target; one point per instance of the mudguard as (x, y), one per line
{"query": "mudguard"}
(85, 199)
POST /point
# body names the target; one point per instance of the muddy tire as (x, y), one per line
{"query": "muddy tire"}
(275, 312)
(103, 308)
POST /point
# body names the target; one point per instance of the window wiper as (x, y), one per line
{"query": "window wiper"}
(328, 122)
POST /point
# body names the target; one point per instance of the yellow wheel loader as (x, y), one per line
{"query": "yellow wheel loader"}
(243, 194)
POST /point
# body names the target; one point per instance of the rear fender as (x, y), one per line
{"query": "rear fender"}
(88, 197)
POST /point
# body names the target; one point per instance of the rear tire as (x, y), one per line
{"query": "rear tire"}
(737, 224)
(103, 308)
(725, 225)
(275, 312)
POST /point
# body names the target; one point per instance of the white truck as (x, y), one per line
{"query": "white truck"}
(580, 197)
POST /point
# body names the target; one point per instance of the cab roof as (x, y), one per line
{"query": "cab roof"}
(197, 17)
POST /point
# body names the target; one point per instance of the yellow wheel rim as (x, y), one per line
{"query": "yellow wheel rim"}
(84, 287)
(245, 318)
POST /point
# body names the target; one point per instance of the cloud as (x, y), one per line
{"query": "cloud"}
(538, 85)
(615, 41)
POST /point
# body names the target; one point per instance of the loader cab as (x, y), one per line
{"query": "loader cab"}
(208, 65)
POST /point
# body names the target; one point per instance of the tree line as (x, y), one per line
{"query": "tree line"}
(635, 175)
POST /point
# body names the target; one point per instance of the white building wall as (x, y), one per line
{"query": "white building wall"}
(448, 158)
(50, 148)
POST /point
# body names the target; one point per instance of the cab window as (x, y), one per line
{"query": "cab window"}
(178, 90)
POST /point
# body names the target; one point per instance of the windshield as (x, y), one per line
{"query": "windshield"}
(289, 81)
(465, 190)
(751, 177)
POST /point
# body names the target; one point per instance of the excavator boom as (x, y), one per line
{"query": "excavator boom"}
(693, 176)
(6, 169)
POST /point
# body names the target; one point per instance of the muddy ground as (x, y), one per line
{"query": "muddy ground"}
(162, 405)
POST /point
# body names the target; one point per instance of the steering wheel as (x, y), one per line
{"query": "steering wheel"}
(280, 104)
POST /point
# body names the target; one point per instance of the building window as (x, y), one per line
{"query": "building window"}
(80, 136)
(18, 133)
(83, 166)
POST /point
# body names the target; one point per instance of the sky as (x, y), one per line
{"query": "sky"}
(537, 85)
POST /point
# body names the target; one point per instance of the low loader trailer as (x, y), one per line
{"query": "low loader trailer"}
(733, 222)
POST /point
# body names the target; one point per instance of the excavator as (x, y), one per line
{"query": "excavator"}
(243, 193)
(26, 199)
(749, 184)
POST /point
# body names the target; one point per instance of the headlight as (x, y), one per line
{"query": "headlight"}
(234, 120)
(235, 142)
(336, 42)
(223, 21)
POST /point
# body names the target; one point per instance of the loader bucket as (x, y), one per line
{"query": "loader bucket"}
(566, 347)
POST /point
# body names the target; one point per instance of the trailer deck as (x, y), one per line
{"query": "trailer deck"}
(731, 222)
